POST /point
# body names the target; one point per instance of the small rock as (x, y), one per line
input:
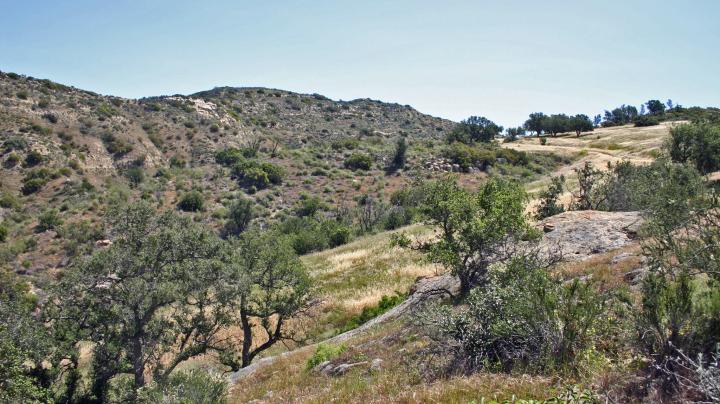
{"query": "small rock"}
(341, 369)
(103, 243)
(620, 257)
(635, 275)
(376, 365)
(548, 227)
(320, 367)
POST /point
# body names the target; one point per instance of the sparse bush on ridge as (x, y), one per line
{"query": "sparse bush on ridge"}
(192, 201)
(359, 161)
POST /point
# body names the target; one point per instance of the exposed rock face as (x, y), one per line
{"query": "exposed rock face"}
(580, 234)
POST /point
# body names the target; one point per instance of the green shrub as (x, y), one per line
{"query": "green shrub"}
(115, 146)
(33, 158)
(192, 201)
(398, 216)
(239, 217)
(49, 219)
(523, 318)
(348, 143)
(177, 162)
(338, 234)
(194, 386)
(105, 111)
(370, 312)
(646, 120)
(549, 199)
(136, 175)
(12, 160)
(33, 185)
(399, 158)
(309, 205)
(629, 187)
(467, 156)
(8, 200)
(231, 156)
(36, 179)
(15, 143)
(358, 161)
(3, 233)
(696, 143)
(260, 175)
(39, 129)
(325, 352)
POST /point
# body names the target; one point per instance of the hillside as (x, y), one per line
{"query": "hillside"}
(296, 204)
(86, 150)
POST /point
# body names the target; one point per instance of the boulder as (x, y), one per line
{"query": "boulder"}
(580, 234)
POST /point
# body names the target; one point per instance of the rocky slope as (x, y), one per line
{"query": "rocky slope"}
(81, 150)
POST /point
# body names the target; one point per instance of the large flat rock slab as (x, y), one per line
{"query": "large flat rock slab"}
(582, 234)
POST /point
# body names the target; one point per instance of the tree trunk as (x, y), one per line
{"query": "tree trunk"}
(247, 338)
(465, 286)
(138, 363)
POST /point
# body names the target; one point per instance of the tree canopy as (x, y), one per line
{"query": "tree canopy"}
(474, 129)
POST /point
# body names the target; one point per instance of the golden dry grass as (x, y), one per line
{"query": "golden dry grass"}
(600, 147)
(288, 379)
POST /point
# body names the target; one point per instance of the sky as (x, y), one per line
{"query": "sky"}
(453, 59)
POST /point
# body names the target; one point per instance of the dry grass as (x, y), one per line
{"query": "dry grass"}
(602, 146)
(399, 380)
(365, 269)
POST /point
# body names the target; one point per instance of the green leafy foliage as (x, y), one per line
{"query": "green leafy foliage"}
(522, 318)
(477, 229)
(474, 129)
(629, 187)
(239, 217)
(646, 120)
(370, 312)
(115, 146)
(399, 155)
(697, 144)
(24, 343)
(36, 179)
(324, 352)
(194, 386)
(33, 158)
(267, 284)
(482, 156)
(550, 199)
(359, 161)
(308, 234)
(156, 262)
(49, 219)
(192, 201)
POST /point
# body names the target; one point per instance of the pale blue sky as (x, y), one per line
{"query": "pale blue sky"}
(499, 59)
